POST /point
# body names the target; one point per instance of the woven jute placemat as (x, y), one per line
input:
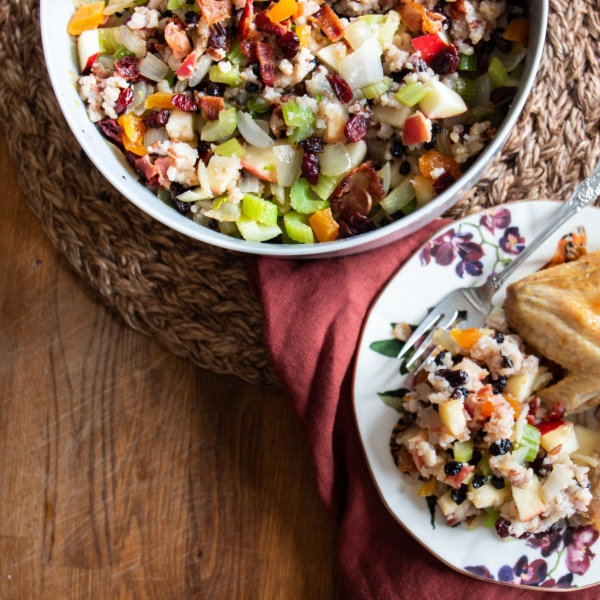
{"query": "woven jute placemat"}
(194, 298)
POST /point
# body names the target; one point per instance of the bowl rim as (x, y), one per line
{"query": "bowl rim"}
(369, 240)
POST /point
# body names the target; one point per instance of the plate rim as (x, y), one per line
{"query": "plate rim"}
(440, 231)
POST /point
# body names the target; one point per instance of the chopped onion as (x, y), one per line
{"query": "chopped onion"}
(278, 192)
(521, 422)
(510, 61)
(288, 162)
(155, 135)
(558, 480)
(444, 143)
(107, 61)
(357, 33)
(126, 37)
(252, 132)
(204, 180)
(141, 91)
(585, 460)
(201, 71)
(335, 160)
(483, 87)
(250, 184)
(115, 6)
(385, 175)
(520, 454)
(363, 66)
(227, 211)
(263, 125)
(153, 68)
(192, 195)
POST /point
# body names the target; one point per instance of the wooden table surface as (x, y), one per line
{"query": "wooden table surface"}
(128, 473)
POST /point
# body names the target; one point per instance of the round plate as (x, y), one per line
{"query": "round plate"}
(463, 254)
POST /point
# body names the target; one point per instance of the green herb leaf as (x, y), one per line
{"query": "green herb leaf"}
(389, 348)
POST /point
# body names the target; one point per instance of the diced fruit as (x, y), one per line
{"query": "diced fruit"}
(221, 171)
(88, 49)
(520, 386)
(417, 129)
(463, 476)
(446, 504)
(159, 100)
(133, 134)
(487, 408)
(563, 435)
(463, 451)
(588, 440)
(547, 426)
(357, 152)
(517, 31)
(186, 69)
(442, 338)
(396, 117)
(515, 404)
(441, 102)
(559, 479)
(529, 500)
(453, 417)
(260, 162)
(180, 126)
(303, 33)
(423, 190)
(284, 9)
(427, 163)
(87, 17)
(488, 496)
(429, 45)
(333, 55)
(428, 489)
(466, 338)
(323, 224)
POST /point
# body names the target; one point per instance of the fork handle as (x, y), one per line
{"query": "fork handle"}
(585, 193)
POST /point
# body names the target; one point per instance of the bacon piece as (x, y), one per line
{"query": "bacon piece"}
(215, 10)
(145, 167)
(177, 40)
(162, 166)
(210, 106)
(246, 20)
(248, 48)
(263, 23)
(329, 22)
(266, 58)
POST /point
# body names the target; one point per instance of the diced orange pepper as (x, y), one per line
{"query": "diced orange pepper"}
(159, 100)
(133, 134)
(303, 33)
(428, 489)
(517, 31)
(87, 16)
(284, 9)
(487, 409)
(516, 405)
(466, 338)
(434, 160)
(324, 225)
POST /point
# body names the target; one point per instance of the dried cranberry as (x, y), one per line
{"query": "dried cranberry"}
(454, 378)
(443, 182)
(398, 150)
(356, 128)
(502, 44)
(501, 447)
(111, 130)
(310, 167)
(252, 88)
(191, 18)
(446, 62)
(132, 159)
(356, 225)
(183, 102)
(431, 144)
(290, 43)
(499, 337)
(459, 495)
(498, 482)
(127, 68)
(214, 89)
(313, 144)
(436, 128)
(483, 58)
(502, 94)
(340, 88)
(124, 100)
(502, 528)
(557, 411)
(405, 168)
(452, 468)
(157, 119)
(499, 383)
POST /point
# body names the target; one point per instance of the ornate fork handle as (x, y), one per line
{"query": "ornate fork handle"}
(585, 193)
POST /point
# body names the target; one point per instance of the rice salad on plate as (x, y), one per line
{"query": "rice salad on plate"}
(483, 447)
(297, 121)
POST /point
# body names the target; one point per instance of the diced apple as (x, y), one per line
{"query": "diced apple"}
(442, 337)
(187, 66)
(563, 435)
(588, 440)
(357, 152)
(260, 162)
(180, 126)
(221, 170)
(417, 129)
(487, 496)
(423, 189)
(396, 117)
(333, 55)
(521, 386)
(88, 48)
(441, 102)
(529, 500)
(446, 504)
(429, 45)
(453, 416)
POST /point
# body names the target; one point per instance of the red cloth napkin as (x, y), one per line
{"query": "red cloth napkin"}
(313, 313)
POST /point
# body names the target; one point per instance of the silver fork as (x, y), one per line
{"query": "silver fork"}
(476, 302)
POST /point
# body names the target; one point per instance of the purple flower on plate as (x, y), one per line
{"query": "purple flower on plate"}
(480, 571)
(547, 542)
(497, 218)
(445, 248)
(524, 573)
(578, 542)
(564, 583)
(512, 242)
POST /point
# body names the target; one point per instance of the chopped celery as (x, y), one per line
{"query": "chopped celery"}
(373, 19)
(258, 105)
(170, 77)
(376, 89)
(217, 130)
(493, 514)
(235, 55)
(520, 454)
(297, 227)
(301, 133)
(106, 37)
(173, 4)
(399, 197)
(463, 451)
(326, 186)
(256, 232)
(467, 63)
(497, 73)
(121, 52)
(230, 148)
(530, 440)
(300, 117)
(300, 197)
(465, 88)
(389, 28)
(410, 207)
(231, 77)
(484, 465)
(411, 94)
(263, 211)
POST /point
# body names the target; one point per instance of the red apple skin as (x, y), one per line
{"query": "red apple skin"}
(187, 66)
(417, 129)
(263, 174)
(429, 46)
(91, 60)
(456, 480)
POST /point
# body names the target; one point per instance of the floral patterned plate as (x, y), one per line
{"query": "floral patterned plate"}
(465, 253)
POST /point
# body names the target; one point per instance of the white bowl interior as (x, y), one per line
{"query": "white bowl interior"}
(61, 59)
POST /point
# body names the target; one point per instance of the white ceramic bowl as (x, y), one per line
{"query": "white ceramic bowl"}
(61, 59)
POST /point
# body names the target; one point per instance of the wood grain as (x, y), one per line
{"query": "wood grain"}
(127, 473)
